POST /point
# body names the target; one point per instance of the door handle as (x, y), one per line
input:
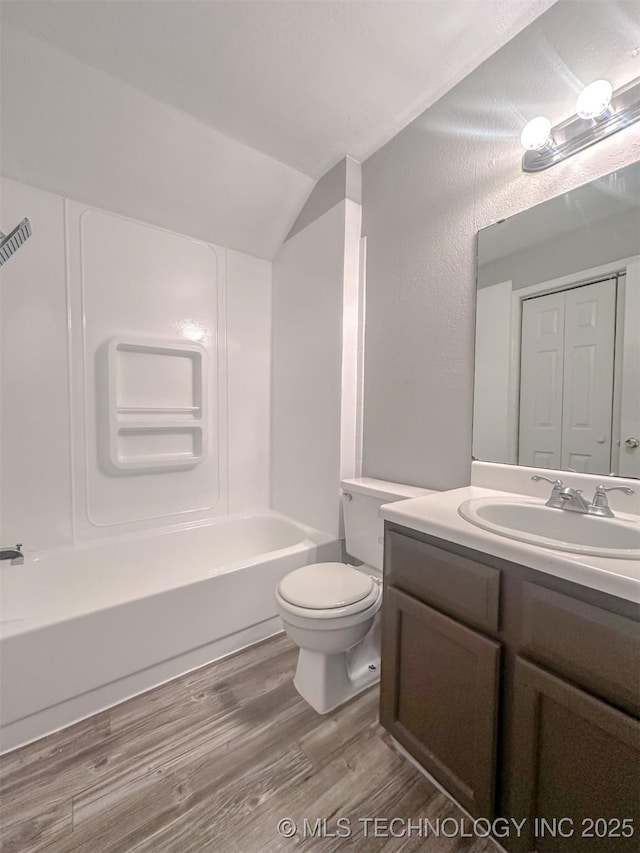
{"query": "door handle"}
(632, 442)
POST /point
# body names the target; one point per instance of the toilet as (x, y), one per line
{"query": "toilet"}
(332, 610)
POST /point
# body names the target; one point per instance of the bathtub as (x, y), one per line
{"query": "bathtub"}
(86, 627)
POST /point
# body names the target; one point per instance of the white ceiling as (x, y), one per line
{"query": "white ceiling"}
(303, 82)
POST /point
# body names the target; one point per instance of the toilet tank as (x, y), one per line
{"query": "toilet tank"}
(364, 530)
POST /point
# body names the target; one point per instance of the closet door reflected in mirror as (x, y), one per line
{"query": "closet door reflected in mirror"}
(568, 341)
(557, 374)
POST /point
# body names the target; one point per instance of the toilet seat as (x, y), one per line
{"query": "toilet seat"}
(325, 586)
(369, 589)
(334, 618)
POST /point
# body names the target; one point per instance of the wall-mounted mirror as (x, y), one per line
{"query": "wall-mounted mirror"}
(557, 372)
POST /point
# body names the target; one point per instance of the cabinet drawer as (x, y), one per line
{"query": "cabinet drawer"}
(457, 585)
(593, 647)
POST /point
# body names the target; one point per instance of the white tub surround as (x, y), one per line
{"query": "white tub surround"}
(437, 515)
(149, 363)
(84, 628)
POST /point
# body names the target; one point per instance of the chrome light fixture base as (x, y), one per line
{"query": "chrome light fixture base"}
(575, 134)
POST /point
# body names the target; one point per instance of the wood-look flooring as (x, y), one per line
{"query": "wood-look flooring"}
(209, 763)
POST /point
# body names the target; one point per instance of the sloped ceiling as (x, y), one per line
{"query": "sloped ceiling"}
(215, 118)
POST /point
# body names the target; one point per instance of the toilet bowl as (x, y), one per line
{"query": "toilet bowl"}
(331, 611)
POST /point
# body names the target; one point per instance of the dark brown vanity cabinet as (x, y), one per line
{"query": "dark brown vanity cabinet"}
(518, 691)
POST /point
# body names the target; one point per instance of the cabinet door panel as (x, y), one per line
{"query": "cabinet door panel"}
(439, 697)
(573, 757)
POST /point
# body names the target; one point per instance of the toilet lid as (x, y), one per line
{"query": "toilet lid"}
(325, 585)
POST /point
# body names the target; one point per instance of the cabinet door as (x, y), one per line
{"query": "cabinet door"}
(575, 759)
(439, 696)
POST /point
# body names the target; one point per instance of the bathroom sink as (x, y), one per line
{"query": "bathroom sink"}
(529, 520)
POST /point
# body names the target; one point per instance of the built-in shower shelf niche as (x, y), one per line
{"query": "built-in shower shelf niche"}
(157, 405)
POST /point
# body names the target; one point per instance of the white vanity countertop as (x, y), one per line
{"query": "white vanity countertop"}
(437, 515)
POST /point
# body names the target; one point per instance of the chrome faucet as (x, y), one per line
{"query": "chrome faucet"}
(14, 554)
(570, 499)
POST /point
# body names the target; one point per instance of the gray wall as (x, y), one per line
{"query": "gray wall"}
(344, 180)
(426, 193)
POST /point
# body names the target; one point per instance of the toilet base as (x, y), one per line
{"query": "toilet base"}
(328, 681)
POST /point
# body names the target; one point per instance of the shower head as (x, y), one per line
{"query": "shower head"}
(10, 243)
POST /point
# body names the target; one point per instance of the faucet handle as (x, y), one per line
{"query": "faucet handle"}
(555, 499)
(555, 483)
(600, 497)
(600, 504)
(601, 490)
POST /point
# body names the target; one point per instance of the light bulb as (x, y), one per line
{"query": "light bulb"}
(536, 134)
(594, 99)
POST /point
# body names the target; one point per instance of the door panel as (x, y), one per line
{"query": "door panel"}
(439, 697)
(541, 378)
(588, 377)
(628, 377)
(574, 759)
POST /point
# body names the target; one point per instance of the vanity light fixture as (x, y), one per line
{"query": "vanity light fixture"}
(600, 112)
